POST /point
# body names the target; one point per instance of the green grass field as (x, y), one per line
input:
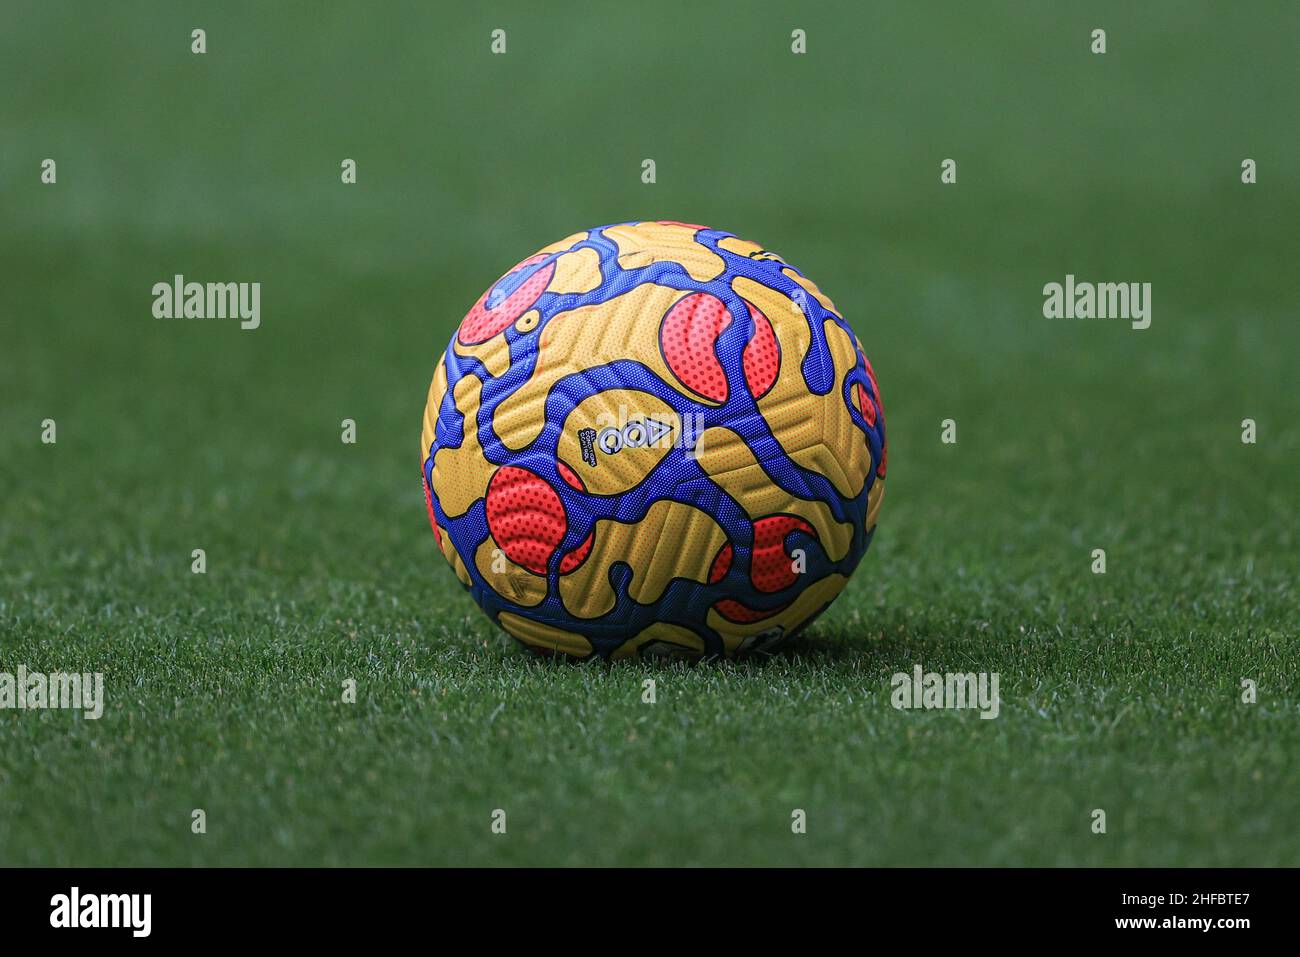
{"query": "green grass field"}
(1119, 691)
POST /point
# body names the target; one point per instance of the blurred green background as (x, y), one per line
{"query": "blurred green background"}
(1120, 691)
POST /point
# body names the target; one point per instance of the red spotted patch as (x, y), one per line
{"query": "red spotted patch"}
(875, 387)
(721, 564)
(688, 335)
(865, 405)
(482, 323)
(880, 404)
(771, 567)
(762, 355)
(579, 555)
(525, 517)
(742, 614)
(570, 477)
(576, 557)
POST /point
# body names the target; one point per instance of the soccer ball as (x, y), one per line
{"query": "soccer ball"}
(653, 438)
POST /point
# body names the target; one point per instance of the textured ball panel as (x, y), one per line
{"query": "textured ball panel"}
(653, 438)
